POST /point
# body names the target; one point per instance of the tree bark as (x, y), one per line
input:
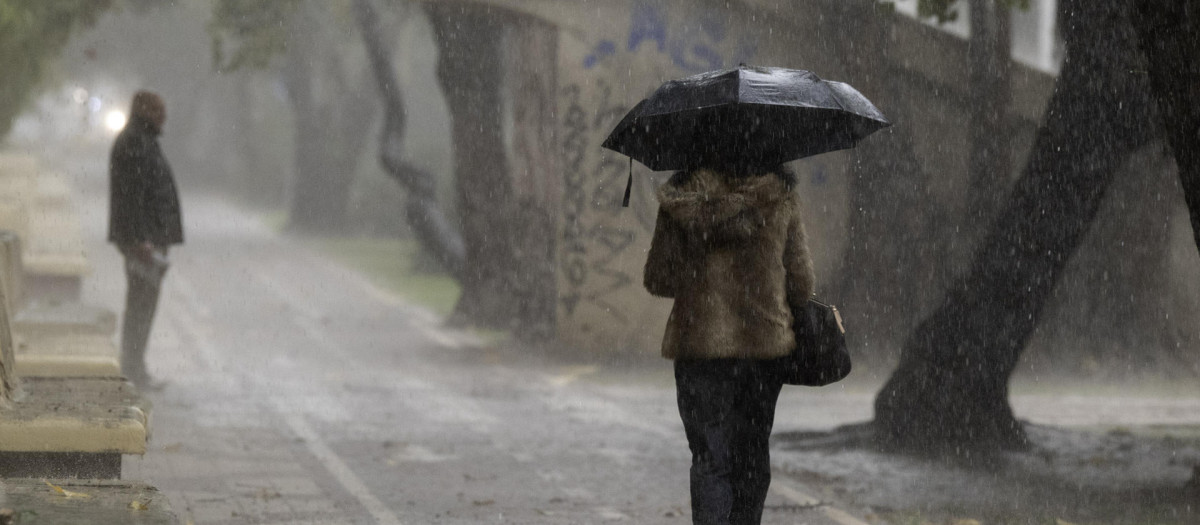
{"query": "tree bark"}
(1169, 34)
(329, 128)
(422, 211)
(989, 64)
(531, 85)
(505, 230)
(950, 391)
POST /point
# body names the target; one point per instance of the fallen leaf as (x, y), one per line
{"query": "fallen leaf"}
(483, 502)
(67, 493)
(267, 495)
(1060, 521)
(138, 505)
(966, 522)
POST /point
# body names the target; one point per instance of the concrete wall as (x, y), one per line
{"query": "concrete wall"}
(613, 53)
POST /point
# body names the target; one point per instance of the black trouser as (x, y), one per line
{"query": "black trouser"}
(141, 300)
(728, 408)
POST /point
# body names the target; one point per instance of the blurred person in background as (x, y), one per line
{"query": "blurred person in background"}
(144, 221)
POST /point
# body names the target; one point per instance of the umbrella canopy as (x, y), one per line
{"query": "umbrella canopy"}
(748, 115)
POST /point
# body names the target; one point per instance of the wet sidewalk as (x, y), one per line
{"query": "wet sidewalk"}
(299, 393)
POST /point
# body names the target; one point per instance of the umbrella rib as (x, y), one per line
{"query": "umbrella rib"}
(739, 103)
(837, 96)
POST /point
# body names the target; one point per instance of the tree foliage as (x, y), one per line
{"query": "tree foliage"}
(249, 33)
(318, 68)
(32, 35)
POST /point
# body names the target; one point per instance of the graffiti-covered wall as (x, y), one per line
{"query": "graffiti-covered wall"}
(611, 55)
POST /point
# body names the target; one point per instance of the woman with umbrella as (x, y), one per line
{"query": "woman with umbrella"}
(729, 246)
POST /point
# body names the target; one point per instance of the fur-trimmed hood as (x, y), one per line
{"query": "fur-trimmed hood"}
(732, 253)
(707, 201)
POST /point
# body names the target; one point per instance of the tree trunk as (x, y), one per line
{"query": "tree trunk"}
(506, 231)
(531, 86)
(330, 126)
(422, 211)
(887, 182)
(239, 179)
(1169, 34)
(990, 76)
(311, 206)
(950, 391)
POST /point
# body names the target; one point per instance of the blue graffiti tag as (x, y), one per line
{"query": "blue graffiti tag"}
(820, 175)
(603, 49)
(691, 48)
(647, 23)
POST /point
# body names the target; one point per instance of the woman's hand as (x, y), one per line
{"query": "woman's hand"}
(145, 251)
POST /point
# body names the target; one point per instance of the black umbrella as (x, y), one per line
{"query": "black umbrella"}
(759, 116)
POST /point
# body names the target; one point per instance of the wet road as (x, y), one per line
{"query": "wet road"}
(299, 393)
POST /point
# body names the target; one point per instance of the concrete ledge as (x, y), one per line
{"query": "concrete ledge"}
(54, 228)
(55, 287)
(57, 264)
(53, 191)
(87, 415)
(71, 355)
(49, 319)
(67, 366)
(119, 435)
(105, 502)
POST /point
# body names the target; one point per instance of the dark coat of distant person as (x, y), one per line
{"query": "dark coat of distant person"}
(732, 252)
(144, 203)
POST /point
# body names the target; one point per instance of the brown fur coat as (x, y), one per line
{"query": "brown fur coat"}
(732, 252)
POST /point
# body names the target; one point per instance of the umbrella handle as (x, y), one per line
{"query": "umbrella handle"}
(628, 185)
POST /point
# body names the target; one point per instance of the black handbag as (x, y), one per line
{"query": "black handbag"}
(820, 357)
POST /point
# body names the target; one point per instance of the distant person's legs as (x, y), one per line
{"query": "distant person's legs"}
(141, 300)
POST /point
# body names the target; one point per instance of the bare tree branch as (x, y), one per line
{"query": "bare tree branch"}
(423, 213)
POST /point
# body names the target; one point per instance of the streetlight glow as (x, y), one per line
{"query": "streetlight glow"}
(115, 120)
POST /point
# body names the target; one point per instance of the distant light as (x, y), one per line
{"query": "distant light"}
(94, 104)
(115, 120)
(80, 95)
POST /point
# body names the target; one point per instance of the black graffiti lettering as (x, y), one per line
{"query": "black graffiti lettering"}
(571, 301)
(613, 239)
(603, 179)
(576, 271)
(574, 264)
